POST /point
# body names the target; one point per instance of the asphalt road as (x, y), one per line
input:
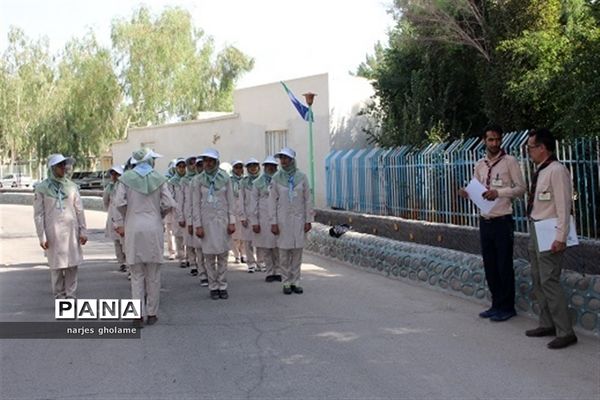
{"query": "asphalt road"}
(351, 335)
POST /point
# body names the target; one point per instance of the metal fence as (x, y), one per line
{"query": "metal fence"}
(422, 183)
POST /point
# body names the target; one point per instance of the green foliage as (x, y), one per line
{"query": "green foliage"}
(159, 69)
(169, 69)
(452, 66)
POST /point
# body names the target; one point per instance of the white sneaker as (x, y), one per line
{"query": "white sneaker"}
(251, 268)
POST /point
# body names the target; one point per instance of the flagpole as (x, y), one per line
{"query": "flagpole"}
(309, 100)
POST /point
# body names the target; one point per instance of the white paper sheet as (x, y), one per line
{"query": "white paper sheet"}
(475, 190)
(545, 231)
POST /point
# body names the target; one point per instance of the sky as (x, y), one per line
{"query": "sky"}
(287, 39)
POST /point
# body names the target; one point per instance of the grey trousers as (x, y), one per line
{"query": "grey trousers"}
(250, 258)
(290, 261)
(545, 274)
(64, 282)
(201, 262)
(180, 247)
(271, 259)
(119, 252)
(191, 255)
(216, 269)
(145, 285)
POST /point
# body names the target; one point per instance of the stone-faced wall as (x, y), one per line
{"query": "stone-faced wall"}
(453, 271)
(583, 258)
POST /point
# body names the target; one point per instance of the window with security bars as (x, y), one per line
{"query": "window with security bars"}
(274, 141)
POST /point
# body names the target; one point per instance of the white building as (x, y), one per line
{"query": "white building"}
(263, 121)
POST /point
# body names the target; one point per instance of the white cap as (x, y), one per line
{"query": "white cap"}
(270, 160)
(286, 151)
(179, 160)
(117, 168)
(149, 154)
(236, 162)
(251, 161)
(54, 159)
(210, 153)
(199, 159)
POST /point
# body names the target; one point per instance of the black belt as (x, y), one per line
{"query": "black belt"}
(500, 218)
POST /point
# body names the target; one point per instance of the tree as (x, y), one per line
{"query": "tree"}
(27, 90)
(168, 68)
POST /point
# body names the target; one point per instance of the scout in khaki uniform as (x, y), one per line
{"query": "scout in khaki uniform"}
(188, 234)
(550, 196)
(177, 193)
(143, 199)
(264, 240)
(291, 217)
(107, 198)
(169, 220)
(196, 241)
(247, 235)
(238, 248)
(60, 226)
(501, 175)
(215, 222)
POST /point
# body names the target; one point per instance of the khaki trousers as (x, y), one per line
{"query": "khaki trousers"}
(216, 269)
(250, 258)
(181, 256)
(201, 262)
(145, 285)
(290, 261)
(271, 259)
(545, 274)
(119, 252)
(64, 282)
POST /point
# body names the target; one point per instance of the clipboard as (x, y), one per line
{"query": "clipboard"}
(545, 232)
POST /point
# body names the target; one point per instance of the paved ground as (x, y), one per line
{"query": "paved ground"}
(352, 335)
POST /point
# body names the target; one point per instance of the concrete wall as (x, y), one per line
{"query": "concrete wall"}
(241, 134)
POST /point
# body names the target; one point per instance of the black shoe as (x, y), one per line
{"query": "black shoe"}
(503, 316)
(123, 268)
(276, 278)
(152, 319)
(269, 278)
(194, 271)
(287, 290)
(223, 294)
(243, 260)
(562, 342)
(490, 312)
(138, 323)
(541, 331)
(297, 289)
(204, 282)
(183, 264)
(214, 294)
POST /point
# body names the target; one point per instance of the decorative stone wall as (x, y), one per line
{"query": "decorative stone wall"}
(452, 271)
(582, 258)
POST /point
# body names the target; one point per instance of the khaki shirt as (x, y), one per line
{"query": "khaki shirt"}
(506, 178)
(553, 198)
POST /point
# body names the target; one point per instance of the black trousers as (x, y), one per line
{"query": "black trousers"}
(497, 239)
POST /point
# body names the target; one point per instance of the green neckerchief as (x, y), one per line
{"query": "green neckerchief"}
(289, 177)
(57, 188)
(235, 182)
(176, 179)
(284, 177)
(248, 180)
(187, 178)
(213, 180)
(142, 184)
(263, 181)
(110, 187)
